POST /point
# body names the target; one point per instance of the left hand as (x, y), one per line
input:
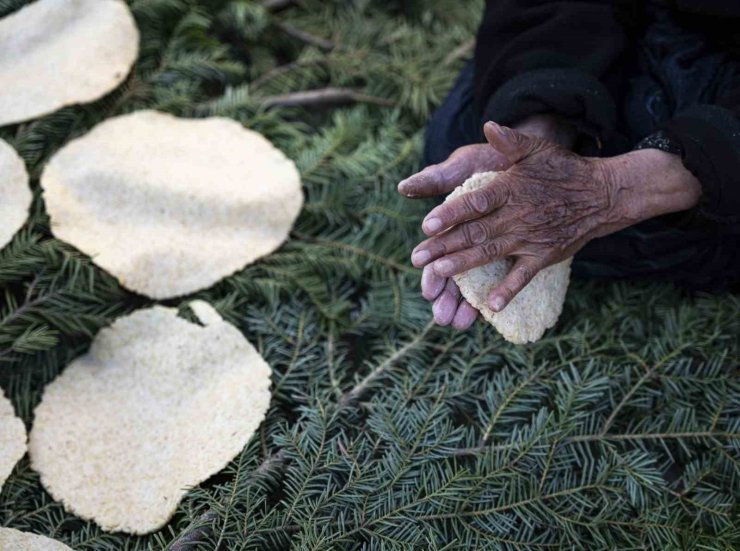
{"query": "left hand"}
(542, 210)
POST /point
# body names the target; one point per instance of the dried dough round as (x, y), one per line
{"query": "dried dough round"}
(536, 308)
(12, 440)
(157, 405)
(15, 195)
(15, 540)
(55, 53)
(170, 206)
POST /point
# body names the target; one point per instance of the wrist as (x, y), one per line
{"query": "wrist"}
(548, 127)
(648, 183)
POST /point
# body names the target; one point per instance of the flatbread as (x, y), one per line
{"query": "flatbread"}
(55, 53)
(12, 440)
(170, 206)
(536, 308)
(15, 195)
(15, 540)
(157, 405)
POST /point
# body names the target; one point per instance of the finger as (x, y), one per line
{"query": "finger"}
(513, 145)
(465, 316)
(467, 259)
(464, 236)
(444, 177)
(431, 284)
(468, 206)
(445, 306)
(521, 273)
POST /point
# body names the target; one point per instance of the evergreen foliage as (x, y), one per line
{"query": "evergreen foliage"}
(619, 430)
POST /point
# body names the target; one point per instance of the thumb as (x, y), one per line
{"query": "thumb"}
(513, 145)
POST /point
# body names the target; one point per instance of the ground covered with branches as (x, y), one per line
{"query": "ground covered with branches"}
(619, 430)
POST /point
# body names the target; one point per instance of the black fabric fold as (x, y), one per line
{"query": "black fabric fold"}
(573, 94)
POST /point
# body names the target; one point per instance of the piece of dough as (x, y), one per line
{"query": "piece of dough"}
(536, 308)
(158, 405)
(15, 540)
(55, 53)
(170, 206)
(12, 440)
(15, 195)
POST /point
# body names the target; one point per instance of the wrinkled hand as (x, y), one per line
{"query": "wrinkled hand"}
(448, 306)
(545, 207)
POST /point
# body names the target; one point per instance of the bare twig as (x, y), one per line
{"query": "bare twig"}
(323, 97)
(305, 36)
(463, 50)
(277, 5)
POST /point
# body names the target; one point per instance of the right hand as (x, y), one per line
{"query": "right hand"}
(448, 307)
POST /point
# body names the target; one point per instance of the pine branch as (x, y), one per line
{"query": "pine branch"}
(201, 528)
(357, 391)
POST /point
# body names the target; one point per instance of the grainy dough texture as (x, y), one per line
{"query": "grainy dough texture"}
(55, 53)
(15, 195)
(12, 440)
(157, 405)
(168, 205)
(536, 308)
(15, 540)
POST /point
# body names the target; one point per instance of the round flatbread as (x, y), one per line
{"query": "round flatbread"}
(12, 440)
(157, 405)
(15, 195)
(536, 308)
(15, 540)
(55, 53)
(170, 206)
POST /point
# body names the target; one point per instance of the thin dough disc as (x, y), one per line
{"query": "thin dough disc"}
(55, 53)
(15, 195)
(157, 405)
(170, 206)
(12, 440)
(536, 308)
(15, 540)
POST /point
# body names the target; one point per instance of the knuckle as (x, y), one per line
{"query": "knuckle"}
(474, 232)
(492, 249)
(477, 201)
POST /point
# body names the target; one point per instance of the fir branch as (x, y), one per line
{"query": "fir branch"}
(357, 391)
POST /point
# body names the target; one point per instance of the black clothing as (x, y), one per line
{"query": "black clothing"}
(661, 249)
(620, 70)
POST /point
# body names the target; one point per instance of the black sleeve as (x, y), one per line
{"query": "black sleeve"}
(709, 139)
(549, 56)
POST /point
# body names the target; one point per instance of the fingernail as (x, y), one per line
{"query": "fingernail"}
(419, 258)
(432, 224)
(444, 267)
(498, 303)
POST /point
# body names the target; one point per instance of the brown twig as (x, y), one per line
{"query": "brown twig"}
(463, 50)
(323, 97)
(277, 5)
(305, 36)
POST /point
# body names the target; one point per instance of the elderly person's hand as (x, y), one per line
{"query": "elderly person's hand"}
(448, 306)
(543, 208)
